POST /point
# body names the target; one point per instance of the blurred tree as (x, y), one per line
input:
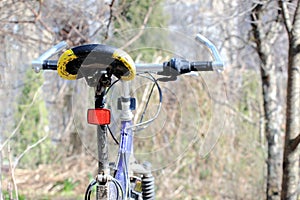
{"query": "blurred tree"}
(291, 173)
(28, 28)
(35, 123)
(17, 20)
(264, 35)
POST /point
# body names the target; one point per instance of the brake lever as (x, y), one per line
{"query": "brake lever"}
(174, 68)
(166, 79)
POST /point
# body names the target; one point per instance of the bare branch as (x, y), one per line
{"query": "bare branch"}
(110, 18)
(38, 16)
(257, 30)
(96, 31)
(79, 34)
(22, 119)
(295, 142)
(18, 21)
(236, 111)
(142, 28)
(296, 22)
(23, 37)
(286, 16)
(27, 150)
(12, 171)
(14, 165)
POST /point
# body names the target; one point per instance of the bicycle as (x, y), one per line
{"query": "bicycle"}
(97, 64)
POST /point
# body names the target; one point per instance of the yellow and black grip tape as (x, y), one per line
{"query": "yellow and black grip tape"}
(73, 63)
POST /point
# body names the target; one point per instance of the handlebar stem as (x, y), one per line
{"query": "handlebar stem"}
(141, 67)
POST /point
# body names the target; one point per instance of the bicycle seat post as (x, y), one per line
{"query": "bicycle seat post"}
(103, 163)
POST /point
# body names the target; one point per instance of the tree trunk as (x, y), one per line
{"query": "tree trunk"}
(290, 180)
(291, 151)
(270, 103)
(1, 195)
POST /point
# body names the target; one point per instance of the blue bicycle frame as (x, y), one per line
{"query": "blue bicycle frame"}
(126, 140)
(125, 150)
(121, 175)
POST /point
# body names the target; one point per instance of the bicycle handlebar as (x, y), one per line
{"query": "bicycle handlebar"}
(43, 63)
(217, 64)
(183, 66)
(171, 68)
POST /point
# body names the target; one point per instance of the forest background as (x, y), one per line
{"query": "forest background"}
(245, 120)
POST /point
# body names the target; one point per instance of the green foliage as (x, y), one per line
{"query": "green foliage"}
(136, 20)
(133, 14)
(31, 107)
(67, 185)
(6, 196)
(204, 174)
(250, 91)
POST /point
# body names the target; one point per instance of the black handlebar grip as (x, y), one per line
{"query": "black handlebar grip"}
(178, 66)
(201, 66)
(50, 65)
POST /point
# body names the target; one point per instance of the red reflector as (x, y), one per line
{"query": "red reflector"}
(98, 116)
